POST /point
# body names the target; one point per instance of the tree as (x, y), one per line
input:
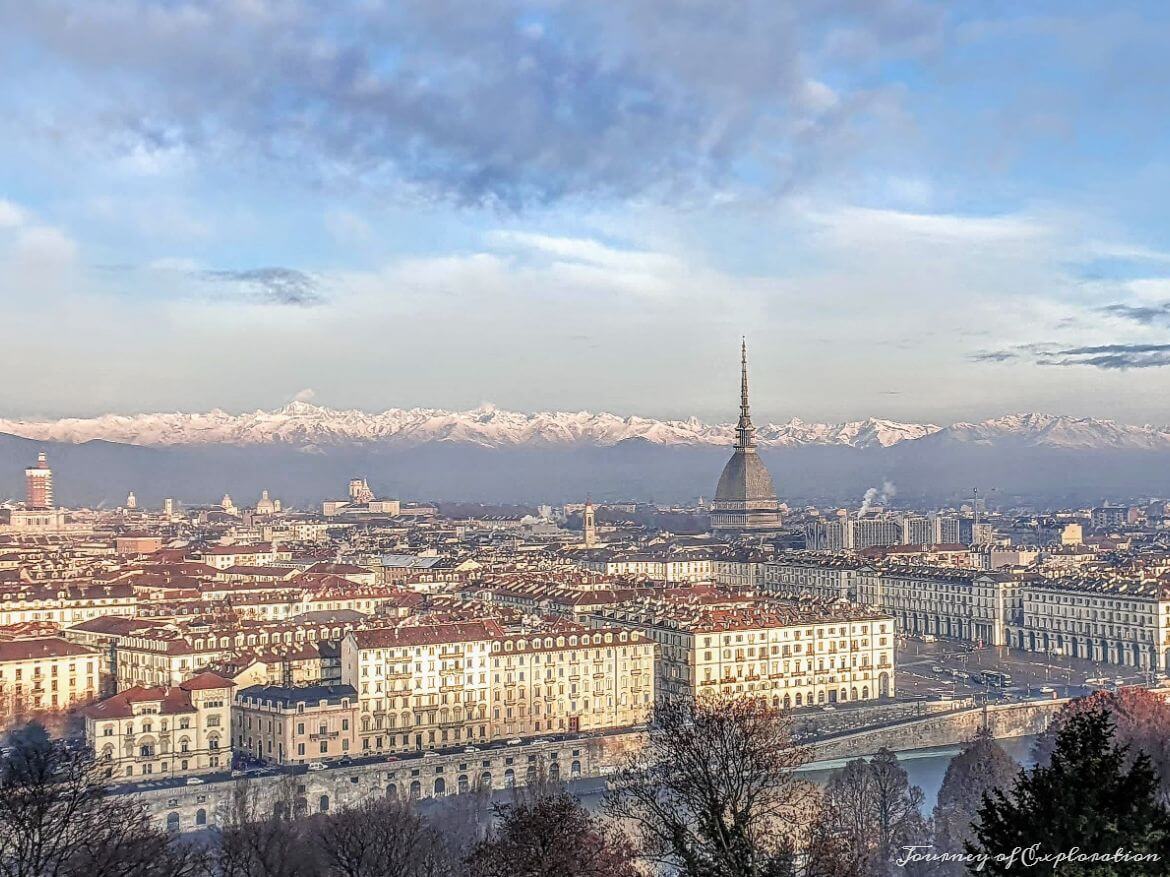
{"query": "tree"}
(255, 843)
(1090, 796)
(378, 837)
(58, 820)
(552, 836)
(713, 792)
(1141, 719)
(981, 767)
(869, 814)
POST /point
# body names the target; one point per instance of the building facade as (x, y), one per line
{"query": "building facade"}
(165, 731)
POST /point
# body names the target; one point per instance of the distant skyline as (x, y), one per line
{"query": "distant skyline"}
(917, 211)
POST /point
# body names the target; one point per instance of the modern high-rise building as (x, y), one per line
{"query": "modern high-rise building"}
(745, 500)
(38, 485)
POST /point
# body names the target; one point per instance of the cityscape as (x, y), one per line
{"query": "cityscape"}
(527, 438)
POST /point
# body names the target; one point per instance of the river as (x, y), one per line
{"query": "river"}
(925, 768)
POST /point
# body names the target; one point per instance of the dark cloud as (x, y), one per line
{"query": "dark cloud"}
(1147, 315)
(994, 355)
(1110, 357)
(486, 102)
(278, 286)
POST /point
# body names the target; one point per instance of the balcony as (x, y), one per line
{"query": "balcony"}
(328, 735)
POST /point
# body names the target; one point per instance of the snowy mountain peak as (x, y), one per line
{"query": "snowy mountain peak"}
(305, 424)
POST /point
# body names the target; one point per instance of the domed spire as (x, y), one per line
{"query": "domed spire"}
(745, 431)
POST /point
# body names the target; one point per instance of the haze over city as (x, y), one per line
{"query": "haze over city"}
(915, 211)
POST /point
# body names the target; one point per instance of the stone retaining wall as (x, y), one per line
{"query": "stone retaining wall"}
(1004, 721)
(181, 807)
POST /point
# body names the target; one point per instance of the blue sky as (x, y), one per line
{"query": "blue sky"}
(913, 210)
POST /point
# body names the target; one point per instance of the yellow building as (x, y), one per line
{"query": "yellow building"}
(167, 731)
(794, 655)
(46, 675)
(434, 686)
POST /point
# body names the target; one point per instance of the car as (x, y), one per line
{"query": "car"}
(1047, 689)
(937, 669)
(391, 758)
(345, 759)
(430, 753)
(470, 749)
(194, 781)
(238, 773)
(515, 741)
(316, 765)
(828, 708)
(929, 638)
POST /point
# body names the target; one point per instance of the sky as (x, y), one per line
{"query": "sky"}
(912, 210)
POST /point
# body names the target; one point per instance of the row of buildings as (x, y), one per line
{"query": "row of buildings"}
(1113, 617)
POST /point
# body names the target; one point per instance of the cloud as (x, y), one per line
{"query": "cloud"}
(278, 286)
(305, 395)
(493, 102)
(1111, 357)
(1146, 315)
(11, 215)
(1108, 357)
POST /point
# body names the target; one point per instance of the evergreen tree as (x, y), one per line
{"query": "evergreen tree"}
(1090, 797)
(981, 767)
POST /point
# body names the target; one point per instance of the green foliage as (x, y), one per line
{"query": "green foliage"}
(1092, 796)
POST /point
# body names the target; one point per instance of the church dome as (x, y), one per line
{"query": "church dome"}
(745, 478)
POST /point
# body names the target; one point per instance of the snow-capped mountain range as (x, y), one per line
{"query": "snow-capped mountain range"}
(305, 425)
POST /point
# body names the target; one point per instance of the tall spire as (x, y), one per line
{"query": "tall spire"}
(744, 431)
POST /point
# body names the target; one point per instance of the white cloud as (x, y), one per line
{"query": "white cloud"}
(11, 215)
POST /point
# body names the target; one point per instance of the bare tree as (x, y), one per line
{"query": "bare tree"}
(868, 814)
(257, 842)
(377, 837)
(552, 836)
(713, 792)
(58, 820)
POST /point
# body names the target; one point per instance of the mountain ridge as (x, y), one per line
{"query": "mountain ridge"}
(310, 427)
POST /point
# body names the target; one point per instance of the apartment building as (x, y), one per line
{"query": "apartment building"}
(827, 577)
(1115, 622)
(166, 656)
(64, 603)
(792, 655)
(296, 725)
(46, 674)
(965, 604)
(671, 567)
(165, 731)
(429, 686)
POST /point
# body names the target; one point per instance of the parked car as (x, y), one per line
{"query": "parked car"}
(470, 749)
(316, 765)
(194, 781)
(515, 741)
(430, 753)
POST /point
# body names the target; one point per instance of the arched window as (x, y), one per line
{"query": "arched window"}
(200, 816)
(416, 789)
(509, 777)
(485, 779)
(575, 769)
(323, 804)
(440, 787)
(173, 822)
